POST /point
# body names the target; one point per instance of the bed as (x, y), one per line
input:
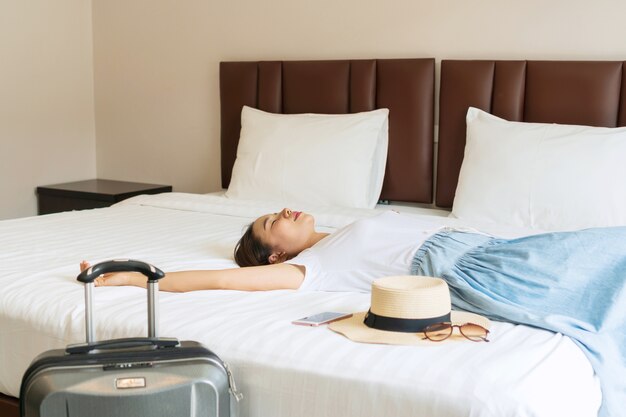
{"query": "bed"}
(286, 370)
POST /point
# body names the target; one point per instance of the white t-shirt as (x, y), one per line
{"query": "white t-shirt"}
(352, 257)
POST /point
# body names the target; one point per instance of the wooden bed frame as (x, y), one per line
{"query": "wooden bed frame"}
(9, 406)
(572, 92)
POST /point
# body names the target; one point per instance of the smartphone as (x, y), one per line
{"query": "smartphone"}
(321, 318)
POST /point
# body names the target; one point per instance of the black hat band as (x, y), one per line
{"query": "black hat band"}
(394, 324)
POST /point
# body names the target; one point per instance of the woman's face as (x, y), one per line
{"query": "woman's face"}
(287, 232)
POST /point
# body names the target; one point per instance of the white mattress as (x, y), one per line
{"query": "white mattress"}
(282, 369)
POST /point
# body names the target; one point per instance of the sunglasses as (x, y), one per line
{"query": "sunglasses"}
(438, 332)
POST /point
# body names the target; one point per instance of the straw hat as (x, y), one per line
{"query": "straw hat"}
(401, 307)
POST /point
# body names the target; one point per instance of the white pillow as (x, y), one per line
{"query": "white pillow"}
(545, 176)
(336, 160)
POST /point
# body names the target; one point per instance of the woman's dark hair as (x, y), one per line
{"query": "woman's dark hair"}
(250, 251)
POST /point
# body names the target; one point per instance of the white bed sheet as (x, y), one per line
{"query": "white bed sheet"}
(282, 369)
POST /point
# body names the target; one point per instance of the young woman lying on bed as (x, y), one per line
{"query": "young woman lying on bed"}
(279, 250)
(572, 283)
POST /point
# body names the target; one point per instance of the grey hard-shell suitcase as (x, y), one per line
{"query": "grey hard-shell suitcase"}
(135, 377)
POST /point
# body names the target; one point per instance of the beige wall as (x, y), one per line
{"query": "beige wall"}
(156, 63)
(47, 128)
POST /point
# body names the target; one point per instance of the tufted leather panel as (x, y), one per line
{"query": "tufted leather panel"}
(270, 92)
(466, 84)
(621, 120)
(584, 93)
(362, 85)
(316, 86)
(405, 86)
(238, 88)
(568, 92)
(508, 89)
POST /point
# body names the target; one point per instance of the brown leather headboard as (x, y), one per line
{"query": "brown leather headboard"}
(569, 92)
(404, 86)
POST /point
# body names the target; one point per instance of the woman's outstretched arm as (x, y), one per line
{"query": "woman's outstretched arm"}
(254, 278)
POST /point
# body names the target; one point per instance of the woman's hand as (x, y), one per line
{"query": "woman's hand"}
(116, 278)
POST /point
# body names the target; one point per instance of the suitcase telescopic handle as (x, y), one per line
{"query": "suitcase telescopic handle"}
(120, 265)
(153, 274)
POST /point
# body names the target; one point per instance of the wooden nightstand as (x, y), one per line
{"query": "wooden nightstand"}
(91, 194)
